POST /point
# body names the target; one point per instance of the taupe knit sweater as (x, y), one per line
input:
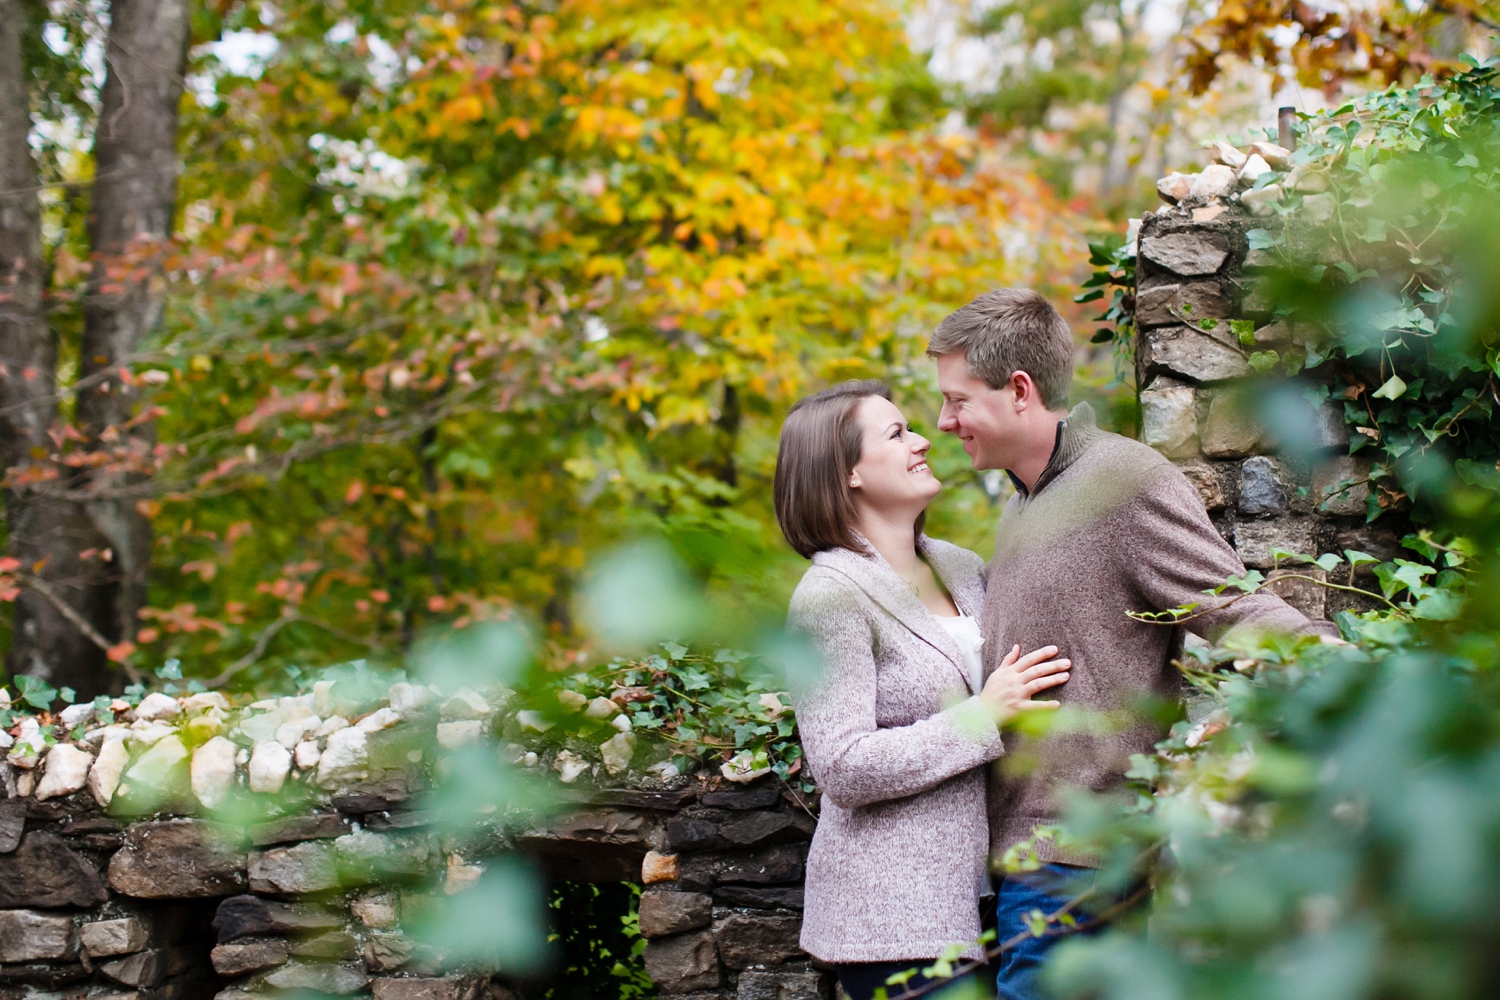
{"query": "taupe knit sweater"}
(897, 741)
(1109, 527)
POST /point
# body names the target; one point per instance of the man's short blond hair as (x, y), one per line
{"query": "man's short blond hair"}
(1011, 330)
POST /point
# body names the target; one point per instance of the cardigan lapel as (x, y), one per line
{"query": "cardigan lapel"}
(873, 575)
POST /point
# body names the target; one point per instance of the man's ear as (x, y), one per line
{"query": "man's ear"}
(1026, 395)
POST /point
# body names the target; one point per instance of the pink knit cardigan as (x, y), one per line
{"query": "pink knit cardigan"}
(897, 741)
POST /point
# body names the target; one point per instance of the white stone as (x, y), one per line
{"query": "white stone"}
(156, 766)
(145, 734)
(406, 698)
(102, 938)
(270, 763)
(1216, 180)
(602, 708)
(104, 776)
(466, 703)
(569, 766)
(6, 740)
(533, 720)
(106, 733)
(1277, 156)
(345, 759)
(1169, 421)
(529, 759)
(664, 769)
(331, 726)
(1262, 201)
(1319, 207)
(205, 700)
(307, 755)
(294, 731)
(1308, 179)
(455, 734)
(323, 697)
(381, 718)
(25, 782)
(1253, 169)
(76, 715)
(571, 700)
(212, 771)
(741, 768)
(67, 771)
(157, 706)
(617, 751)
(1227, 154)
(621, 722)
(4, 699)
(1174, 187)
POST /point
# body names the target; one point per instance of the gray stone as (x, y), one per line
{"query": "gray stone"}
(1169, 420)
(756, 829)
(1230, 429)
(239, 916)
(1188, 254)
(334, 945)
(366, 857)
(683, 963)
(384, 952)
(761, 796)
(12, 823)
(1261, 489)
(113, 937)
(28, 936)
(144, 968)
(1191, 354)
(1339, 485)
(319, 977)
(664, 913)
(248, 956)
(309, 867)
(694, 833)
(1254, 540)
(747, 940)
(319, 826)
(1256, 297)
(771, 898)
(1188, 302)
(758, 984)
(177, 859)
(1206, 482)
(44, 871)
(772, 866)
(447, 988)
(1303, 594)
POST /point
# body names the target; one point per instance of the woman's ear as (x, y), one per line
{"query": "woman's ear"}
(854, 482)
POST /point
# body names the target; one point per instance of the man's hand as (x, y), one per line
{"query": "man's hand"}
(1009, 690)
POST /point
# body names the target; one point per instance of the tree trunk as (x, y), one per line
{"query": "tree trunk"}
(135, 198)
(45, 534)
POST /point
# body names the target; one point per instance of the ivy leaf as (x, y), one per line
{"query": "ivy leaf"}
(35, 692)
(1393, 388)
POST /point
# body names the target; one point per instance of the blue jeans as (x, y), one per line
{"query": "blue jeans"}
(1048, 889)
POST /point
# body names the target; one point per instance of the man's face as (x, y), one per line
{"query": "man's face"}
(984, 419)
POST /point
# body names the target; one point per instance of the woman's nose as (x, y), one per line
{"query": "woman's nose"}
(919, 444)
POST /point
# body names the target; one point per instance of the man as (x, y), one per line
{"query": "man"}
(1099, 526)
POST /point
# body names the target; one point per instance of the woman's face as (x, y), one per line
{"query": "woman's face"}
(892, 472)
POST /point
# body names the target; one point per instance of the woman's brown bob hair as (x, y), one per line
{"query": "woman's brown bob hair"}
(820, 446)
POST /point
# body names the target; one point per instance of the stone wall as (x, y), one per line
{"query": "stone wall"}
(1195, 271)
(316, 896)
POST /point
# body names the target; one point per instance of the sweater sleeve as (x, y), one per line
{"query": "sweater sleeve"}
(1178, 554)
(856, 762)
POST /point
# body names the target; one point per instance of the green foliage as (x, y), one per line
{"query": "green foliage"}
(595, 928)
(1384, 264)
(713, 710)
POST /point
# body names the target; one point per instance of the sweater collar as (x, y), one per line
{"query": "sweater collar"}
(1075, 433)
(869, 571)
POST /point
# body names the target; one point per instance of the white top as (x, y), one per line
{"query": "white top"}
(966, 636)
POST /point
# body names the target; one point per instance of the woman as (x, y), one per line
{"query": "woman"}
(900, 723)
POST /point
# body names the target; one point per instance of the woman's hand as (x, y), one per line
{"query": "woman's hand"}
(1009, 690)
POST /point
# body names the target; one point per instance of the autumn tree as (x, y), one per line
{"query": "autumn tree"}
(81, 547)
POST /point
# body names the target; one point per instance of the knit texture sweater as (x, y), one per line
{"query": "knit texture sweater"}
(1109, 527)
(898, 742)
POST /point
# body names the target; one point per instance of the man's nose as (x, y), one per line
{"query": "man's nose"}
(947, 423)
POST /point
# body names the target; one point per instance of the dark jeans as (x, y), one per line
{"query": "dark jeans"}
(1048, 889)
(860, 980)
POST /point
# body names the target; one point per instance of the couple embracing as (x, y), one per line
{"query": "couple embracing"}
(928, 653)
